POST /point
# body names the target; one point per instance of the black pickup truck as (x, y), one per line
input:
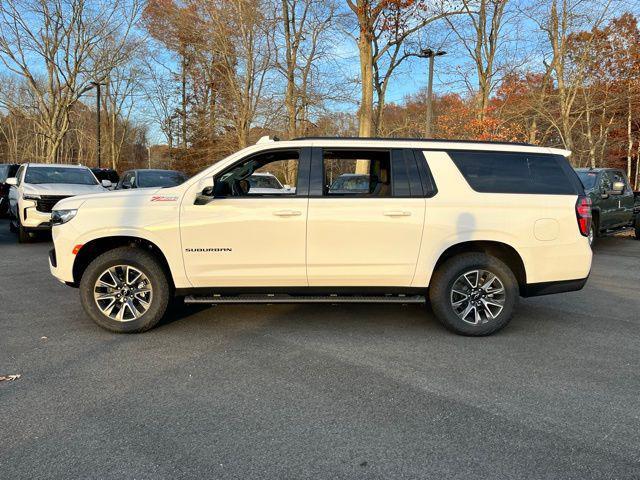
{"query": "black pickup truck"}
(614, 205)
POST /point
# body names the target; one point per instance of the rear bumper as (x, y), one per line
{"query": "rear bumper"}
(548, 288)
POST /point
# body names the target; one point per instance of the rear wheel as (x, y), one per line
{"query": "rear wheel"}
(593, 231)
(473, 294)
(125, 290)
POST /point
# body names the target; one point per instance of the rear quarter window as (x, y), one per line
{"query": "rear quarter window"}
(516, 172)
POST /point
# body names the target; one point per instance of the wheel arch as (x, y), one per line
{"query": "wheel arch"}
(500, 250)
(98, 246)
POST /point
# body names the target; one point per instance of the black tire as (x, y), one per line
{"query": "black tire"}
(24, 236)
(637, 227)
(594, 231)
(441, 286)
(144, 262)
(12, 226)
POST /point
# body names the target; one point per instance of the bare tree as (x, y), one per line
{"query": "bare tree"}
(55, 45)
(305, 25)
(383, 28)
(485, 19)
(236, 33)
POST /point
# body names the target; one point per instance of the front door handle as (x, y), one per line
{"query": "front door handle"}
(397, 213)
(287, 213)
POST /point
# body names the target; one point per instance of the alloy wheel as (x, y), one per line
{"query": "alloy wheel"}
(478, 296)
(123, 293)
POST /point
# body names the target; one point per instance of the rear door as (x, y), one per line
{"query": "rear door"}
(366, 214)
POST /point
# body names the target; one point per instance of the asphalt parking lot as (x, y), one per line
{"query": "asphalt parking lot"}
(301, 391)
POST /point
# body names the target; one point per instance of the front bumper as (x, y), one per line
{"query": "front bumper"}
(62, 258)
(33, 219)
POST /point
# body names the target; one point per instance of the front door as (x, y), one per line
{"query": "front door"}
(252, 232)
(608, 203)
(625, 200)
(365, 224)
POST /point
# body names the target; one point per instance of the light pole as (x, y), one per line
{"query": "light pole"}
(431, 55)
(97, 85)
(86, 89)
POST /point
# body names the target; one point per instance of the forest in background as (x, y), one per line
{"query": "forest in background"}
(186, 82)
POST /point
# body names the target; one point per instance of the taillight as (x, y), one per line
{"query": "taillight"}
(583, 214)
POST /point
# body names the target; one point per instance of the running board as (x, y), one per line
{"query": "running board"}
(216, 299)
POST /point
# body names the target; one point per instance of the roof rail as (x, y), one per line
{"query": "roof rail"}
(408, 139)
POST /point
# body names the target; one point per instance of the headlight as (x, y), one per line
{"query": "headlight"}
(30, 196)
(58, 217)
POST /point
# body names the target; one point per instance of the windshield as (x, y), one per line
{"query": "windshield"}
(588, 179)
(160, 178)
(360, 182)
(4, 171)
(264, 181)
(77, 176)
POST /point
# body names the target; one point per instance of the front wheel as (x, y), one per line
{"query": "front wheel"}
(125, 290)
(637, 227)
(24, 236)
(473, 294)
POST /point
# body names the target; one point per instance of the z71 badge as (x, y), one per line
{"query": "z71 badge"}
(163, 198)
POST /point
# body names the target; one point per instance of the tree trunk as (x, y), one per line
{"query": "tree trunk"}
(183, 109)
(629, 132)
(365, 114)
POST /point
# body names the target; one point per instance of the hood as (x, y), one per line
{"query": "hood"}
(62, 189)
(115, 197)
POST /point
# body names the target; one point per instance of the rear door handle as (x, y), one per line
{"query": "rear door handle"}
(287, 213)
(397, 213)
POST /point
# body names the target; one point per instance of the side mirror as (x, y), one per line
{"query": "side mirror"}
(205, 196)
(618, 188)
(106, 183)
(126, 185)
(13, 181)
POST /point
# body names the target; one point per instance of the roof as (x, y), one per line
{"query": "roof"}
(417, 143)
(153, 170)
(596, 170)
(55, 165)
(415, 139)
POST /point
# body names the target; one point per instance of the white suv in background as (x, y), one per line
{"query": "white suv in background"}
(36, 188)
(470, 226)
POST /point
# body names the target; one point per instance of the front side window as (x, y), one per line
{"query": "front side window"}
(75, 176)
(267, 174)
(19, 174)
(620, 177)
(606, 184)
(160, 178)
(357, 173)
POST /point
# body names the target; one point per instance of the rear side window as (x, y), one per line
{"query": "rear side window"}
(514, 172)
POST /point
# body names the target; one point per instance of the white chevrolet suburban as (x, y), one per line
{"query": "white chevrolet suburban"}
(470, 226)
(36, 188)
